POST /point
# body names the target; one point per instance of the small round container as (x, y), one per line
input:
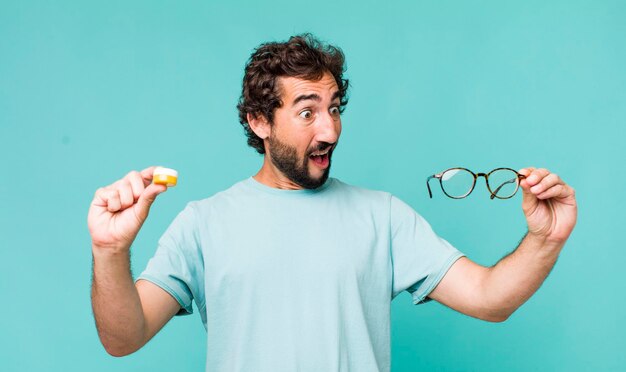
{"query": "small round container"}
(165, 176)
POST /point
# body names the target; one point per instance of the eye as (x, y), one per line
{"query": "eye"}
(306, 114)
(334, 111)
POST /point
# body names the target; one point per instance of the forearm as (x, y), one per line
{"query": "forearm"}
(116, 303)
(516, 277)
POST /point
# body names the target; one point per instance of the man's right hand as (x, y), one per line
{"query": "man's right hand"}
(118, 211)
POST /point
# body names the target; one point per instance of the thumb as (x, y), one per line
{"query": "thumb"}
(529, 200)
(147, 197)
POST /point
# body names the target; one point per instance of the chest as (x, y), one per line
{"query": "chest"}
(289, 252)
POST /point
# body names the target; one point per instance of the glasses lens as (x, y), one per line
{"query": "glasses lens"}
(503, 183)
(457, 183)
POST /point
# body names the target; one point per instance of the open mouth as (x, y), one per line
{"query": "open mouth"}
(321, 158)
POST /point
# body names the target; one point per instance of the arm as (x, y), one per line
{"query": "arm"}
(127, 315)
(494, 293)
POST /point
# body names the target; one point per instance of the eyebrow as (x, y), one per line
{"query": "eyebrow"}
(314, 97)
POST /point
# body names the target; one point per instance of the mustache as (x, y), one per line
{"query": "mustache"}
(321, 147)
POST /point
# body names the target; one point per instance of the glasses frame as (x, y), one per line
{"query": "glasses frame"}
(476, 175)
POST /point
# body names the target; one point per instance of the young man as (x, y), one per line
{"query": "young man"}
(293, 270)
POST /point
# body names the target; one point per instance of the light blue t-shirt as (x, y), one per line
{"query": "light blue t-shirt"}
(298, 280)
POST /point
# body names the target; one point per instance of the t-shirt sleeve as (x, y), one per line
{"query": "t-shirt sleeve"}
(177, 264)
(420, 258)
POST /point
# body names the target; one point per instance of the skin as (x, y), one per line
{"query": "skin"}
(128, 315)
(494, 293)
(305, 126)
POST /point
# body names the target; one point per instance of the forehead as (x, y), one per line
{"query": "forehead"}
(293, 87)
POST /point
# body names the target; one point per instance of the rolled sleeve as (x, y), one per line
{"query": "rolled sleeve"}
(176, 266)
(420, 258)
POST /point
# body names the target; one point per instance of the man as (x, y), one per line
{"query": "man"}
(292, 270)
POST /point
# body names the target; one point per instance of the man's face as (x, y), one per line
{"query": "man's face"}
(305, 130)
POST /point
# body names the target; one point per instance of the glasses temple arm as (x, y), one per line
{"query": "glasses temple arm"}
(430, 193)
(493, 194)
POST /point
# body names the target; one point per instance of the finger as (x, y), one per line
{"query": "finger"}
(147, 198)
(112, 199)
(136, 183)
(560, 191)
(546, 183)
(100, 197)
(552, 192)
(525, 172)
(146, 175)
(529, 201)
(536, 176)
(126, 193)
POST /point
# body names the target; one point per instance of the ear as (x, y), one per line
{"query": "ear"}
(259, 125)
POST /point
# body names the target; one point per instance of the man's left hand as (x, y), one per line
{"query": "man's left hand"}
(549, 205)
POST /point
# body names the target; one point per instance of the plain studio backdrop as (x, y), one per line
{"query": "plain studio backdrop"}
(90, 91)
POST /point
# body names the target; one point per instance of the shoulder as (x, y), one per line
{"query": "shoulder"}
(346, 193)
(224, 198)
(381, 200)
(391, 200)
(356, 190)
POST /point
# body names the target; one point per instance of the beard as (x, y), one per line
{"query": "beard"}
(285, 158)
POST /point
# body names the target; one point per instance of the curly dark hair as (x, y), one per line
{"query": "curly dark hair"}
(302, 56)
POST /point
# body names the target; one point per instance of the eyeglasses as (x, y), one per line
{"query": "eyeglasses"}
(457, 183)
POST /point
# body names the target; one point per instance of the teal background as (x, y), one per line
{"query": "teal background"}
(90, 91)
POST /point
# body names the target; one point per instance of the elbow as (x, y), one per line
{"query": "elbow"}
(496, 318)
(496, 308)
(118, 353)
(496, 315)
(120, 342)
(119, 349)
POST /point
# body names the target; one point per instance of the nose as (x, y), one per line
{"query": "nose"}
(329, 128)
